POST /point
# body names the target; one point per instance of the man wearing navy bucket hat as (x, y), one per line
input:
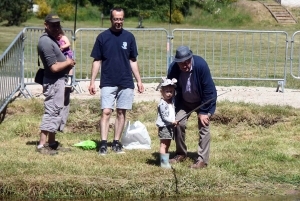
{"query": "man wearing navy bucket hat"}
(195, 87)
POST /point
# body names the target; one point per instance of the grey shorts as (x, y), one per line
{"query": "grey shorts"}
(165, 132)
(122, 97)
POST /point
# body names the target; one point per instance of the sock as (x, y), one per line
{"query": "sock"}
(40, 146)
(104, 143)
(116, 142)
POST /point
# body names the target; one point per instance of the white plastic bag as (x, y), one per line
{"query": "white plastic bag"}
(136, 136)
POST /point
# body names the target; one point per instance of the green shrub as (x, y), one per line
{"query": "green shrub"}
(55, 3)
(209, 6)
(44, 8)
(88, 13)
(66, 11)
(177, 17)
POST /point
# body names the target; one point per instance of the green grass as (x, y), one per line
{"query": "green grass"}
(253, 149)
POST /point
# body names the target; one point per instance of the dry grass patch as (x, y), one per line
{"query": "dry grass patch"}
(249, 146)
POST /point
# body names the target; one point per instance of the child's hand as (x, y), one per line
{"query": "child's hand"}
(175, 123)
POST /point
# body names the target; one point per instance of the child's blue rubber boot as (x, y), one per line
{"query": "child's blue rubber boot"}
(164, 161)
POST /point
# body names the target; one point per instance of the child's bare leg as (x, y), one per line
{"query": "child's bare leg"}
(164, 146)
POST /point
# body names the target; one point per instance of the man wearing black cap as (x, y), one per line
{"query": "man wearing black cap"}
(195, 87)
(56, 101)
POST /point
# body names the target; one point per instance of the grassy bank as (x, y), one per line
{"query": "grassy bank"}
(255, 151)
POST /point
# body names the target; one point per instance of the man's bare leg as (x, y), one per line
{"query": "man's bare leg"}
(104, 123)
(119, 124)
(104, 126)
(42, 147)
(43, 137)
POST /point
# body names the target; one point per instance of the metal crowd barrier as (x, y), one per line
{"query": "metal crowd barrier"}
(295, 55)
(239, 54)
(231, 55)
(11, 71)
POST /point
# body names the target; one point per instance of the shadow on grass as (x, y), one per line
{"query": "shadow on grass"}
(156, 155)
(35, 143)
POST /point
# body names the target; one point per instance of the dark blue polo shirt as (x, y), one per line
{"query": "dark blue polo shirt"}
(115, 49)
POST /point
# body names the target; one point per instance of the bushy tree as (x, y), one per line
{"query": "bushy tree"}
(15, 11)
(44, 8)
(66, 11)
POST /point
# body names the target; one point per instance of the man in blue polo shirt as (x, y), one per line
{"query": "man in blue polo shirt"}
(115, 52)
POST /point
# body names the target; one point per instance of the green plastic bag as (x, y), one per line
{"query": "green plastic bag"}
(88, 144)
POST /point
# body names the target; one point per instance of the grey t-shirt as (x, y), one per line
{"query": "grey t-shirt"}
(50, 53)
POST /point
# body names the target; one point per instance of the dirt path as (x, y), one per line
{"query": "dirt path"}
(257, 95)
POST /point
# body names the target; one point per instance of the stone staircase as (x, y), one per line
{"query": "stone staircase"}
(280, 13)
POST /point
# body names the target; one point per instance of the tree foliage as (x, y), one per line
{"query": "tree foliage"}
(44, 8)
(56, 3)
(15, 11)
(159, 9)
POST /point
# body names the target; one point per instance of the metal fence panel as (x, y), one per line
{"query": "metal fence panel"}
(11, 71)
(238, 54)
(295, 55)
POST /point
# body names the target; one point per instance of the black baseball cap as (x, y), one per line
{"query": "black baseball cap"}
(52, 18)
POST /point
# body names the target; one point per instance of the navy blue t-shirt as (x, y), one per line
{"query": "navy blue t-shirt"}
(115, 49)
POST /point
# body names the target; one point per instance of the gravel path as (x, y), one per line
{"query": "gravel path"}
(257, 95)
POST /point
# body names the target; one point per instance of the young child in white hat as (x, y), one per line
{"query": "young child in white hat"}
(166, 120)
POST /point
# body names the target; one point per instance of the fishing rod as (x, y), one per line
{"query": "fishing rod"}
(208, 101)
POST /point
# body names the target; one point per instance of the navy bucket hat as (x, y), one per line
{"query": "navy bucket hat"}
(183, 53)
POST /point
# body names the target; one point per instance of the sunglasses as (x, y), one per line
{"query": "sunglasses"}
(118, 19)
